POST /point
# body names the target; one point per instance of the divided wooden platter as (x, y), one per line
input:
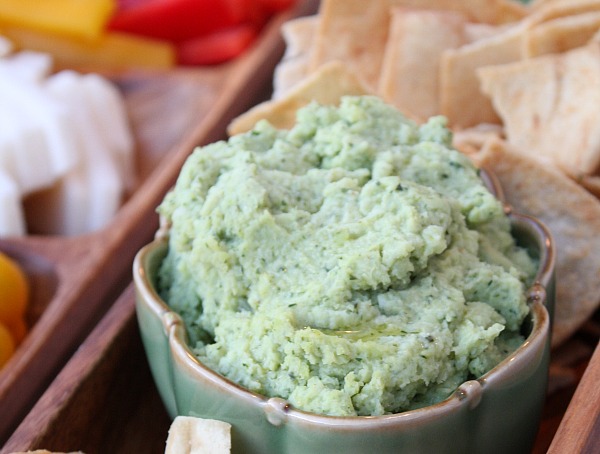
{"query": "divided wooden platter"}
(105, 401)
(81, 380)
(75, 280)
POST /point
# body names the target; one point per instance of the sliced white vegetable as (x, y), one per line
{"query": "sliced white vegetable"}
(6, 46)
(91, 193)
(58, 210)
(106, 191)
(28, 65)
(83, 201)
(107, 114)
(12, 222)
(66, 148)
(110, 113)
(8, 151)
(22, 141)
(24, 152)
(41, 110)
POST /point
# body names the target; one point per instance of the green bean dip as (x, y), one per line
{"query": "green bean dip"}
(355, 264)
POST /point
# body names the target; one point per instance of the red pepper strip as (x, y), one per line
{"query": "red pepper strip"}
(217, 47)
(177, 20)
(275, 6)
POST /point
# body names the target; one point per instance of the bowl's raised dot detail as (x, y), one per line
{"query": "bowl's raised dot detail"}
(471, 390)
(276, 410)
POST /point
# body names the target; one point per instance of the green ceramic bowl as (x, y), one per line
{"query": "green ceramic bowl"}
(497, 413)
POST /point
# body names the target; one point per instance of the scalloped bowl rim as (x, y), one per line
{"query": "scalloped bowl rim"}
(278, 410)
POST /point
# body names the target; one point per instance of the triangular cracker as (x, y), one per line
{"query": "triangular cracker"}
(573, 218)
(326, 86)
(550, 106)
(461, 99)
(410, 72)
(561, 34)
(298, 35)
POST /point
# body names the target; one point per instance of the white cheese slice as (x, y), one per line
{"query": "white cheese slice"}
(89, 195)
(110, 117)
(33, 102)
(190, 435)
(12, 222)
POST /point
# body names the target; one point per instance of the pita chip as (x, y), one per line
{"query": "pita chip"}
(354, 33)
(561, 34)
(534, 4)
(287, 74)
(326, 86)
(484, 11)
(591, 183)
(470, 140)
(550, 106)
(410, 72)
(493, 11)
(298, 37)
(461, 99)
(542, 11)
(573, 217)
(351, 32)
(474, 31)
(595, 38)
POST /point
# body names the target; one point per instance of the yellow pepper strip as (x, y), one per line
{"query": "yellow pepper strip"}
(111, 51)
(82, 18)
(7, 345)
(14, 298)
(14, 290)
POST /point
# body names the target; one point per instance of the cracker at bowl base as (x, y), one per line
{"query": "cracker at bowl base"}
(191, 435)
(573, 216)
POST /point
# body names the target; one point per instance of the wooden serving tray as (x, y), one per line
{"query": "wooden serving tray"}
(580, 429)
(81, 381)
(75, 280)
(105, 401)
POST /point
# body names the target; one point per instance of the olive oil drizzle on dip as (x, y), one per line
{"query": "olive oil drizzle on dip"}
(355, 264)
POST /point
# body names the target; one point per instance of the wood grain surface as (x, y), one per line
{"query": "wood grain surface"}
(104, 400)
(76, 280)
(579, 429)
(80, 381)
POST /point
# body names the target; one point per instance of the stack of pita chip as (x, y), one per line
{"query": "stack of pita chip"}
(519, 85)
